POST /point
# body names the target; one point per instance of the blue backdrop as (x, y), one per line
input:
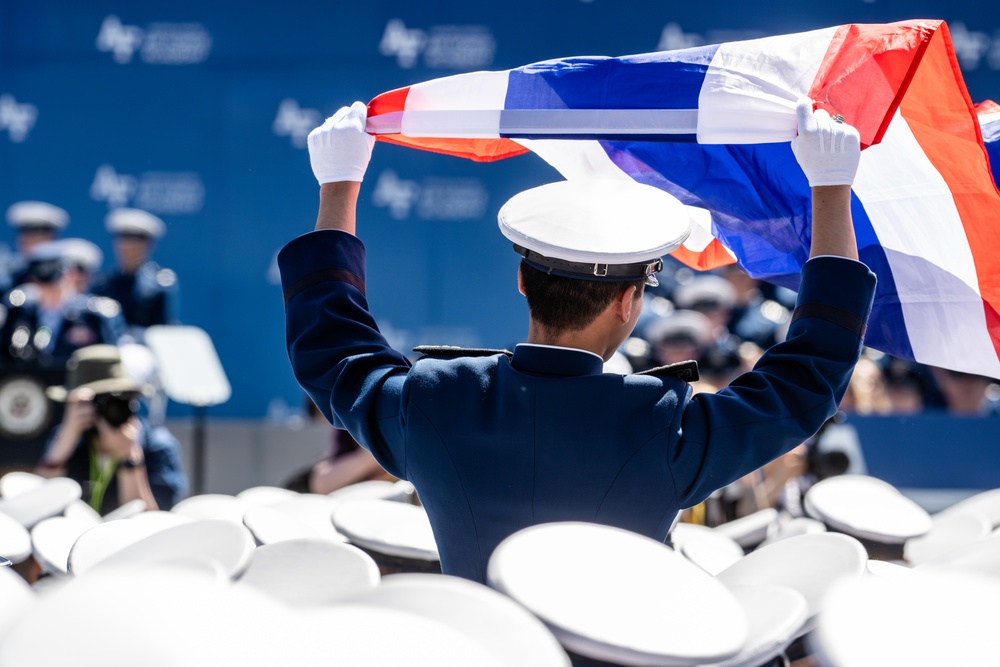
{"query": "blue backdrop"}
(198, 112)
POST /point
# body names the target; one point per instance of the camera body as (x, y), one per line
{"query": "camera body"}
(116, 408)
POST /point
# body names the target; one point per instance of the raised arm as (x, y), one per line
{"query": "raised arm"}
(828, 151)
(798, 384)
(337, 352)
(339, 151)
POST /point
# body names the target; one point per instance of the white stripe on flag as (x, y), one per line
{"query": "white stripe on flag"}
(635, 122)
(751, 87)
(452, 98)
(701, 229)
(536, 122)
(575, 159)
(987, 118)
(931, 263)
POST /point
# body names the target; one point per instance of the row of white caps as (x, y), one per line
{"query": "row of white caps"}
(37, 214)
(226, 562)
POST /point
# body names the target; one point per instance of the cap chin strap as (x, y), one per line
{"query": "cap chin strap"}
(593, 271)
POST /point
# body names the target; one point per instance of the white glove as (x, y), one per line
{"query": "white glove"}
(339, 149)
(828, 151)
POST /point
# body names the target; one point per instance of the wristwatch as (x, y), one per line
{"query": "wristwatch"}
(132, 461)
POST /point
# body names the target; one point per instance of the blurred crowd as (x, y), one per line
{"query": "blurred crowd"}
(62, 306)
(78, 393)
(725, 320)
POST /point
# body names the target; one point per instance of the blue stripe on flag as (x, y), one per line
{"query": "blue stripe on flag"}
(649, 81)
(886, 326)
(991, 137)
(763, 219)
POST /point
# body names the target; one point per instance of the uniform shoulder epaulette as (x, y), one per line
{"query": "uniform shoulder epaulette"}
(451, 351)
(682, 370)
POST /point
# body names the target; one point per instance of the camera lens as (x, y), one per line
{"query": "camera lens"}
(116, 409)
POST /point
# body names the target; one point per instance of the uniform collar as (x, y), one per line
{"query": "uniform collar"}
(552, 360)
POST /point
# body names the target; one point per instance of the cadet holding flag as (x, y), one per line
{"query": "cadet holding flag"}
(497, 441)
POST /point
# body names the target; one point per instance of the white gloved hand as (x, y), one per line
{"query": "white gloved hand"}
(339, 149)
(828, 151)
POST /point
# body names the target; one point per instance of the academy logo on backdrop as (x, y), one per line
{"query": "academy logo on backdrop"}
(157, 43)
(457, 47)
(431, 198)
(294, 122)
(163, 192)
(16, 118)
(673, 37)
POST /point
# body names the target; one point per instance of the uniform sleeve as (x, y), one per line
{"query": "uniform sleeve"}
(795, 387)
(113, 327)
(338, 355)
(166, 477)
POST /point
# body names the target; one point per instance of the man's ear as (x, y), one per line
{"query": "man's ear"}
(520, 282)
(624, 303)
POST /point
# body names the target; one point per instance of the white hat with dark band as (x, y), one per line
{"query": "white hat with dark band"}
(134, 222)
(595, 229)
(36, 215)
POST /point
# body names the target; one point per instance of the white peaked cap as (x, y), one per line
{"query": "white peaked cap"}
(595, 229)
(134, 221)
(81, 252)
(36, 214)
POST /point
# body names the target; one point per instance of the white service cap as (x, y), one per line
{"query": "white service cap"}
(706, 289)
(595, 229)
(134, 221)
(35, 214)
(80, 252)
(688, 324)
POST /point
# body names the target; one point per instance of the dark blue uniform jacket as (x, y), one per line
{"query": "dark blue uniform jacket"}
(494, 444)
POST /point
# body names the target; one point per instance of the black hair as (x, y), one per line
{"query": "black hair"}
(568, 304)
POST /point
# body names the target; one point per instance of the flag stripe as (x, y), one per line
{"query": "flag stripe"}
(749, 95)
(532, 123)
(899, 186)
(712, 126)
(879, 65)
(937, 99)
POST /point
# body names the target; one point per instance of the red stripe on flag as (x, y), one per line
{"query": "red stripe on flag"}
(865, 71)
(987, 106)
(479, 150)
(713, 256)
(392, 101)
(939, 112)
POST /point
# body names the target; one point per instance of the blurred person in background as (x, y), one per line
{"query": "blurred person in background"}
(147, 292)
(866, 394)
(755, 318)
(81, 262)
(710, 295)
(906, 387)
(346, 463)
(34, 222)
(104, 443)
(678, 336)
(44, 320)
(967, 394)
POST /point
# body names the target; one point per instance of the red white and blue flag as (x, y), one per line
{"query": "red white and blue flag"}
(711, 125)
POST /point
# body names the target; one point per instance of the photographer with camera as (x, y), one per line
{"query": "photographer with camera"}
(103, 443)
